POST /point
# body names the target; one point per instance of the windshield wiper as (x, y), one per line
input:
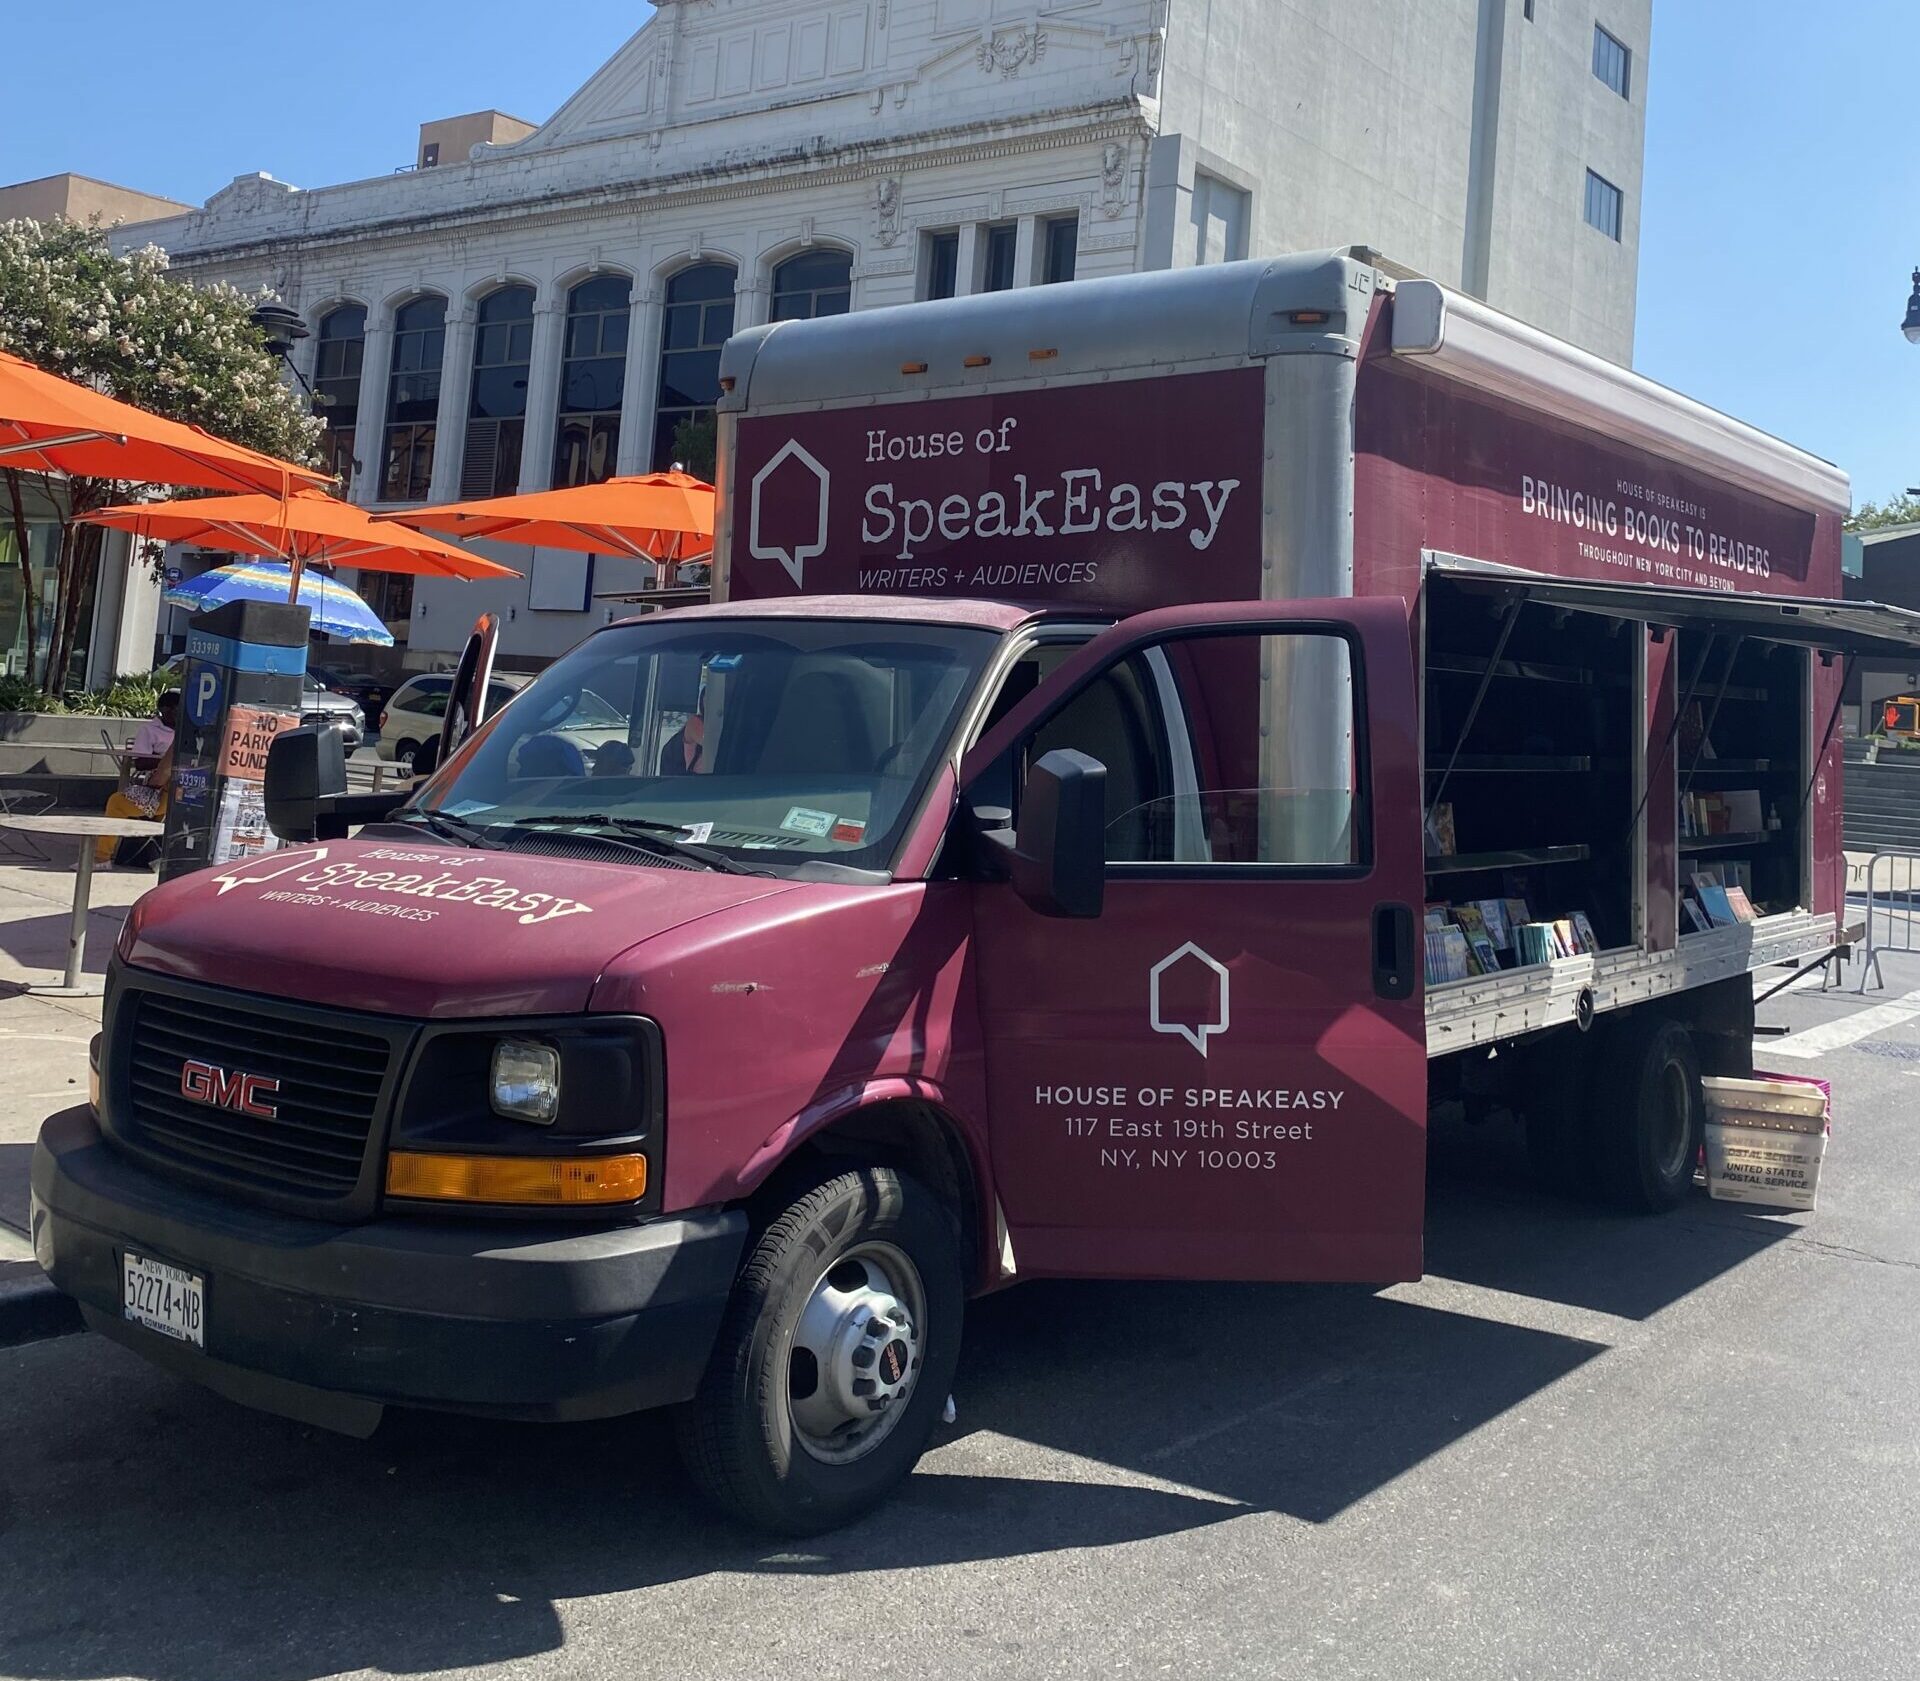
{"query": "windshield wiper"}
(442, 823)
(664, 836)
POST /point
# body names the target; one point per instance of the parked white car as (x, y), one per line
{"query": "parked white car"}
(415, 709)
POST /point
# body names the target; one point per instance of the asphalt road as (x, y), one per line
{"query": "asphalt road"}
(1583, 1446)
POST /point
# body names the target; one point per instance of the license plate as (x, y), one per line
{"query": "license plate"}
(166, 1299)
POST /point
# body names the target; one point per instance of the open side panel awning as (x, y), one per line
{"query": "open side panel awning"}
(1860, 629)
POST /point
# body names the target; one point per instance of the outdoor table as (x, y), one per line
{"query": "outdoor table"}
(88, 830)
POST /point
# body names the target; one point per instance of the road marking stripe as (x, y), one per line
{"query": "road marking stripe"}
(1834, 1035)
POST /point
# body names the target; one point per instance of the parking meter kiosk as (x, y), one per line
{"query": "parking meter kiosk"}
(246, 664)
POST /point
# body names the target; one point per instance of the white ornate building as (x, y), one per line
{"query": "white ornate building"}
(552, 307)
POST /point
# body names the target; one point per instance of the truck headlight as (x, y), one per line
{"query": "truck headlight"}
(526, 1081)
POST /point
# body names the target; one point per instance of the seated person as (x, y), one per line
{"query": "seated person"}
(613, 758)
(150, 768)
(685, 754)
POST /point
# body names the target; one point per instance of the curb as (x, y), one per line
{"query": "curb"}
(32, 1310)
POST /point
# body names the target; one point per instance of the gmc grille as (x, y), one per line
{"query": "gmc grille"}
(330, 1082)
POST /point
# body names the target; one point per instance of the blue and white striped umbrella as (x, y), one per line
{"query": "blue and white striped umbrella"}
(337, 611)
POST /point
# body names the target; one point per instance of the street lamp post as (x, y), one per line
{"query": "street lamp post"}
(284, 328)
(1911, 326)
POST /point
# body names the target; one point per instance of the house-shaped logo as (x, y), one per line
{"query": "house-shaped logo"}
(1179, 982)
(807, 535)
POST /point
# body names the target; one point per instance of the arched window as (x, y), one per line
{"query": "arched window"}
(413, 399)
(813, 283)
(339, 346)
(699, 319)
(594, 369)
(497, 406)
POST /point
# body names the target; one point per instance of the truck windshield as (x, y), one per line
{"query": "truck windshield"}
(768, 740)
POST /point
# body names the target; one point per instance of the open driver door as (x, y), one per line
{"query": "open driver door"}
(1221, 1071)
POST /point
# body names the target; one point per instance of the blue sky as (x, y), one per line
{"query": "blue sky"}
(1782, 199)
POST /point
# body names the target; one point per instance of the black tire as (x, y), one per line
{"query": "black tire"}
(404, 754)
(1649, 1116)
(738, 1435)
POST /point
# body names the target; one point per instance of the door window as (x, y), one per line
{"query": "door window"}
(1224, 749)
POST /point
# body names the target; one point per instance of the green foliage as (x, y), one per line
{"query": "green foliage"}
(123, 325)
(1896, 510)
(22, 694)
(133, 696)
(696, 443)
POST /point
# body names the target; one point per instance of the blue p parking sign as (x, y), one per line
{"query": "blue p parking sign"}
(206, 693)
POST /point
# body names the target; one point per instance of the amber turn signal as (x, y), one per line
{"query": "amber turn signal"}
(541, 1181)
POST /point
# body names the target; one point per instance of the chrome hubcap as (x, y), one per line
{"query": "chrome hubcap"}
(855, 1355)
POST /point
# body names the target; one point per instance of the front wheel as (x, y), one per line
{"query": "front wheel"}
(835, 1356)
(405, 753)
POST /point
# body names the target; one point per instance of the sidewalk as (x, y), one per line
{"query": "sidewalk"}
(43, 1050)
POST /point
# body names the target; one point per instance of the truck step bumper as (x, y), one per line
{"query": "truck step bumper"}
(516, 1319)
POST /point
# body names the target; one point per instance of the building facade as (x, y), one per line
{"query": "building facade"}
(549, 308)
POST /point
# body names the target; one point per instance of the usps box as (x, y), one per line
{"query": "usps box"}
(1766, 1139)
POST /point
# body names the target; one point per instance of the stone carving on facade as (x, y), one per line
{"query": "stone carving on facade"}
(886, 204)
(1113, 178)
(1007, 49)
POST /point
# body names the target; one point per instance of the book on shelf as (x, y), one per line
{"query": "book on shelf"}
(1690, 903)
(1480, 949)
(1446, 954)
(1517, 913)
(1740, 904)
(1493, 916)
(1719, 910)
(1537, 942)
(1584, 928)
(1441, 840)
(1744, 816)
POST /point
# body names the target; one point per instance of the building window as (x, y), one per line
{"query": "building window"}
(591, 375)
(1527, 9)
(814, 283)
(413, 399)
(497, 406)
(1059, 249)
(1220, 217)
(1612, 62)
(1603, 205)
(339, 348)
(698, 320)
(942, 263)
(430, 155)
(1002, 243)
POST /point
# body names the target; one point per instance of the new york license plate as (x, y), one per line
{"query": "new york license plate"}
(163, 1298)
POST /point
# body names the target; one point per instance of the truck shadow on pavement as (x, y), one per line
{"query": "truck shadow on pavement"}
(148, 1528)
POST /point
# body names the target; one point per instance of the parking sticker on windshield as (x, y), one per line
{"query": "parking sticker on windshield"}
(698, 832)
(466, 808)
(801, 821)
(848, 830)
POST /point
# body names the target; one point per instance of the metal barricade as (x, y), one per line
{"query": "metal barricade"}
(1893, 910)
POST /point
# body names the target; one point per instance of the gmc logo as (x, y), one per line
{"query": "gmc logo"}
(228, 1088)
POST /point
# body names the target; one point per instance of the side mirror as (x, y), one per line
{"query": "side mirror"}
(306, 767)
(1059, 863)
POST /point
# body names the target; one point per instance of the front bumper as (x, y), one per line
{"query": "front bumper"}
(329, 1323)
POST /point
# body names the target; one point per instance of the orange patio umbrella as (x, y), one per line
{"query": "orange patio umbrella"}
(307, 528)
(52, 425)
(663, 517)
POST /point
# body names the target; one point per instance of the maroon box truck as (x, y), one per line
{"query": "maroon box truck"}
(1155, 740)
